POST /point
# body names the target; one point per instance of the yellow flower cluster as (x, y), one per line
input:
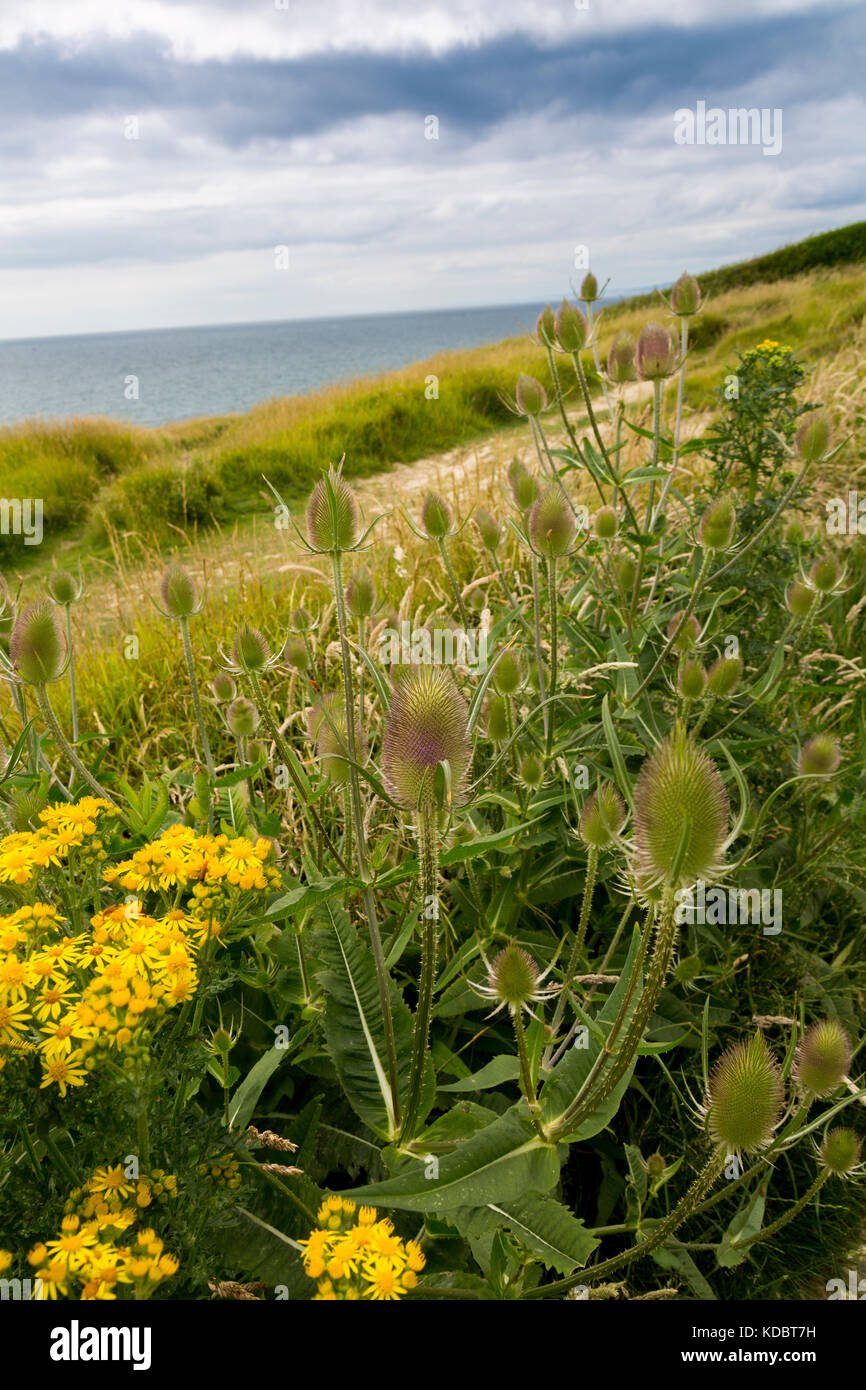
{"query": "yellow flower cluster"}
(221, 1172)
(66, 831)
(357, 1256)
(97, 1254)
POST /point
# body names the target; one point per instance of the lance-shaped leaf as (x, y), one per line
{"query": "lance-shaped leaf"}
(541, 1223)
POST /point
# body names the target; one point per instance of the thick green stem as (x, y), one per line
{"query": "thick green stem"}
(63, 744)
(574, 958)
(458, 598)
(73, 700)
(427, 831)
(554, 648)
(526, 1073)
(775, 1226)
(196, 702)
(536, 614)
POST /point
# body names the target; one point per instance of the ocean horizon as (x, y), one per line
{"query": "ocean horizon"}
(151, 376)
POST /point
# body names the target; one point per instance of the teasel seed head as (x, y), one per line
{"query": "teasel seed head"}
(302, 621)
(622, 359)
(626, 572)
(813, 438)
(819, 757)
(489, 529)
(297, 655)
(689, 635)
(825, 574)
(524, 487)
(656, 1165)
(589, 288)
(339, 532)
(361, 593)
(745, 1097)
(799, 599)
(656, 355)
(606, 523)
(37, 647)
(724, 675)
(250, 651)
(496, 719)
(223, 687)
(242, 717)
(530, 395)
(717, 525)
(426, 725)
(795, 532)
(551, 523)
(679, 797)
(330, 735)
(571, 328)
(507, 675)
(686, 296)
(823, 1058)
(602, 817)
(546, 327)
(435, 516)
(691, 680)
(840, 1151)
(63, 588)
(532, 771)
(178, 593)
(513, 978)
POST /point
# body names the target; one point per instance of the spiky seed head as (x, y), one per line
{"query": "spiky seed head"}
(689, 634)
(717, 525)
(813, 438)
(507, 675)
(513, 977)
(825, 574)
(745, 1097)
(297, 655)
(622, 358)
(328, 728)
(488, 528)
(302, 621)
(496, 719)
(551, 523)
(571, 328)
(626, 572)
(602, 817)
(724, 675)
(63, 588)
(37, 647)
(427, 725)
(656, 1165)
(25, 803)
(532, 771)
(589, 288)
(819, 757)
(686, 296)
(435, 516)
(361, 593)
(606, 523)
(691, 680)
(339, 532)
(223, 687)
(795, 532)
(799, 599)
(546, 326)
(656, 354)
(250, 651)
(178, 592)
(242, 717)
(840, 1151)
(679, 795)
(823, 1058)
(530, 395)
(524, 487)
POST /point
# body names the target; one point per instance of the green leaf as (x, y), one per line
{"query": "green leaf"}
(245, 1098)
(675, 1258)
(542, 1224)
(501, 1069)
(616, 755)
(747, 1222)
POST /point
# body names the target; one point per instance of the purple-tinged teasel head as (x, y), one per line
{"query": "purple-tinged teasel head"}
(551, 523)
(427, 725)
(530, 394)
(686, 296)
(37, 647)
(621, 360)
(337, 531)
(814, 437)
(178, 593)
(571, 328)
(656, 355)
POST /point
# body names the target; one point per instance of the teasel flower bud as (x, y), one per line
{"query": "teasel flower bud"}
(825, 574)
(496, 719)
(242, 717)
(812, 440)
(435, 516)
(178, 593)
(679, 797)
(571, 328)
(250, 651)
(37, 647)
(686, 296)
(656, 355)
(840, 1152)
(606, 523)
(488, 528)
(589, 288)
(691, 680)
(361, 593)
(717, 525)
(724, 675)
(296, 654)
(530, 395)
(626, 572)
(602, 817)
(223, 687)
(524, 486)
(302, 621)
(799, 599)
(819, 757)
(622, 359)
(328, 727)
(339, 532)
(514, 981)
(656, 1166)
(551, 523)
(507, 675)
(426, 725)
(689, 635)
(795, 532)
(745, 1097)
(546, 327)
(822, 1059)
(63, 588)
(532, 771)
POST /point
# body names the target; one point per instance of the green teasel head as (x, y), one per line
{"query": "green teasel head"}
(223, 687)
(819, 757)
(63, 587)
(250, 651)
(822, 1058)
(718, 524)
(242, 717)
(589, 288)
(489, 529)
(622, 359)
(656, 354)
(507, 674)
(178, 593)
(724, 676)
(427, 725)
(551, 524)
(606, 523)
(37, 646)
(296, 654)
(825, 574)
(530, 395)
(496, 719)
(602, 817)
(691, 680)
(302, 620)
(686, 296)
(361, 593)
(25, 804)
(435, 516)
(626, 572)
(532, 772)
(799, 599)
(546, 327)
(813, 438)
(680, 816)
(745, 1097)
(688, 635)
(524, 486)
(513, 979)
(840, 1152)
(571, 328)
(332, 513)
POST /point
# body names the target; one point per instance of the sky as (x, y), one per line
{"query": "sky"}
(173, 162)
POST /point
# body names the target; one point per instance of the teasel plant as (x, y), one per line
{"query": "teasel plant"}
(180, 602)
(360, 599)
(425, 761)
(514, 982)
(437, 525)
(64, 590)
